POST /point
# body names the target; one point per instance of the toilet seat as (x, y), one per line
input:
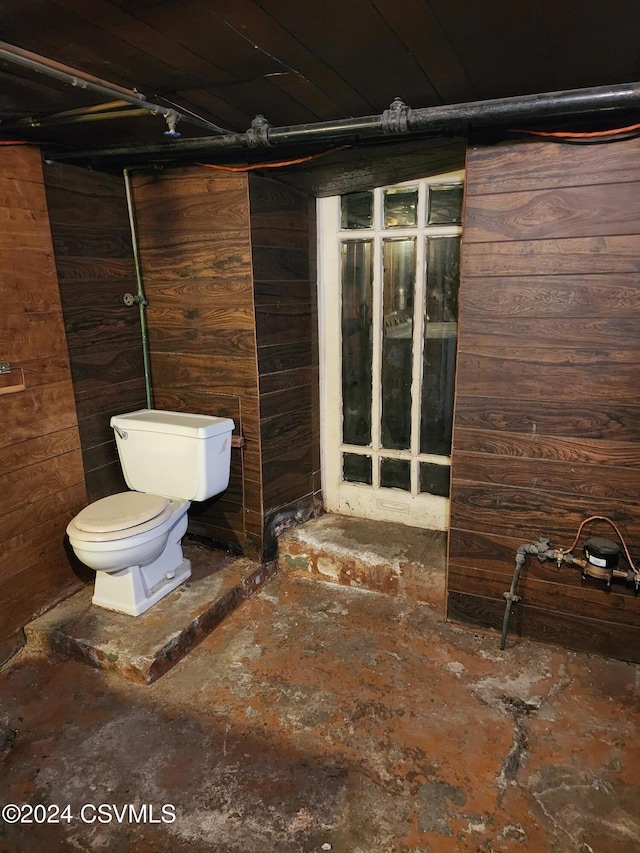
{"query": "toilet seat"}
(120, 516)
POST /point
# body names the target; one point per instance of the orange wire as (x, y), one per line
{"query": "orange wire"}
(576, 135)
(271, 165)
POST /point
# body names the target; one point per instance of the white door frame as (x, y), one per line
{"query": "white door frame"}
(346, 498)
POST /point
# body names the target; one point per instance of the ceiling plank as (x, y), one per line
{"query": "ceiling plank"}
(222, 111)
(594, 47)
(254, 44)
(304, 92)
(271, 101)
(416, 26)
(22, 94)
(503, 45)
(65, 37)
(141, 36)
(354, 39)
(196, 24)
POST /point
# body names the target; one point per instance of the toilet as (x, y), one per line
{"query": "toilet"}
(133, 539)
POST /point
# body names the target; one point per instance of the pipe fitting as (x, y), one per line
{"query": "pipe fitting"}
(542, 551)
(396, 119)
(258, 133)
(171, 117)
(129, 299)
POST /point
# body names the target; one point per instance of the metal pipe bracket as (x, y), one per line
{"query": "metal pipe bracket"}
(396, 118)
(258, 133)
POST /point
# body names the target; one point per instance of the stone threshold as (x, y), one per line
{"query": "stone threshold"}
(142, 648)
(408, 562)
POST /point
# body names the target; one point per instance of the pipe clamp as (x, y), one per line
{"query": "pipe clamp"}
(396, 118)
(258, 133)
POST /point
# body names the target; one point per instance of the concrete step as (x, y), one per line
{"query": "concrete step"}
(142, 648)
(374, 555)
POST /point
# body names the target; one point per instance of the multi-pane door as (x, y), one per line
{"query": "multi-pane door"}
(390, 263)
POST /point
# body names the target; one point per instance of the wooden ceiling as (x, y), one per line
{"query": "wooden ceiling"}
(301, 61)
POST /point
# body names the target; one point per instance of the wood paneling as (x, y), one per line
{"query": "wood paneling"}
(610, 639)
(94, 260)
(601, 421)
(597, 210)
(563, 297)
(229, 274)
(283, 251)
(547, 421)
(40, 459)
(574, 256)
(530, 166)
(195, 249)
(581, 479)
(554, 590)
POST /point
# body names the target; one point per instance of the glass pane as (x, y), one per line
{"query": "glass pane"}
(445, 205)
(395, 474)
(401, 208)
(356, 468)
(439, 358)
(399, 265)
(443, 278)
(356, 210)
(357, 341)
(434, 479)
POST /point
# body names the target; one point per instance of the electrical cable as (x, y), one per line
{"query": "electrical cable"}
(276, 165)
(616, 134)
(576, 134)
(606, 140)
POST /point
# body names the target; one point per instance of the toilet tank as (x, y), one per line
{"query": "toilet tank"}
(174, 454)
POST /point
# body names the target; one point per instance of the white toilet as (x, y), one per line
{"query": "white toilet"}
(133, 539)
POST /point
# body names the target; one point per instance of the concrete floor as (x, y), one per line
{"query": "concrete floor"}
(321, 717)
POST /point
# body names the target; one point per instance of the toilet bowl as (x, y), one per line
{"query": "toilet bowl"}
(133, 539)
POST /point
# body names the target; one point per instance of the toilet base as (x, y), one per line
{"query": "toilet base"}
(130, 591)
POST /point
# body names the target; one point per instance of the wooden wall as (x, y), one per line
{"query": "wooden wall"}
(94, 261)
(196, 258)
(227, 274)
(547, 421)
(40, 457)
(284, 278)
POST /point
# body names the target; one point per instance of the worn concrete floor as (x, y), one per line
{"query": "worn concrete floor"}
(319, 717)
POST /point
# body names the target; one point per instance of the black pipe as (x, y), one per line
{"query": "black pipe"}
(398, 121)
(81, 80)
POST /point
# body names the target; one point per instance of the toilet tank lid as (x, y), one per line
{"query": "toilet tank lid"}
(172, 423)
